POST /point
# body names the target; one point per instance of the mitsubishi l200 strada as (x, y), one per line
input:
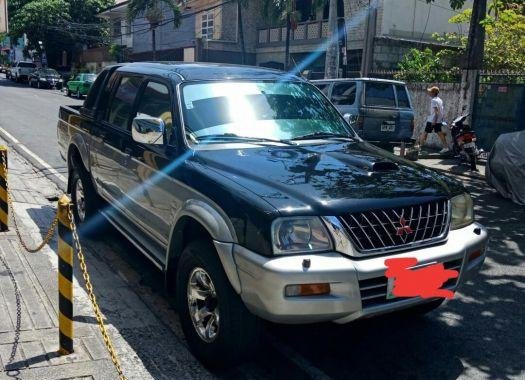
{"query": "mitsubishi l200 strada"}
(256, 200)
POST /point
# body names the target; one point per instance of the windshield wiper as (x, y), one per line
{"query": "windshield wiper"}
(235, 137)
(323, 135)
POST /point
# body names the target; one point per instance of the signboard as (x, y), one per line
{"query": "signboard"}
(3, 17)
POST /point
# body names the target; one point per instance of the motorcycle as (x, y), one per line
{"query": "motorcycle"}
(464, 142)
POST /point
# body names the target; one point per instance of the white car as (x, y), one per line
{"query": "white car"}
(21, 71)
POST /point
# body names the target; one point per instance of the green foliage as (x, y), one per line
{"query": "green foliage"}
(504, 48)
(424, 66)
(59, 24)
(34, 17)
(152, 11)
(505, 43)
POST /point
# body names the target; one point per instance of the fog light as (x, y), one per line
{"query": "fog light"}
(474, 255)
(306, 290)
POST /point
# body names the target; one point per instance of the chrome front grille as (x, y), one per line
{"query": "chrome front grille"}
(384, 230)
(373, 290)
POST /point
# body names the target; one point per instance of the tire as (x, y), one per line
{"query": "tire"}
(86, 208)
(68, 93)
(472, 161)
(238, 331)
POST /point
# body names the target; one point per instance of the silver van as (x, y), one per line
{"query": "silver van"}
(379, 110)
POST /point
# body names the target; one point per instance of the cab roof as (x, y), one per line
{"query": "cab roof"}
(207, 71)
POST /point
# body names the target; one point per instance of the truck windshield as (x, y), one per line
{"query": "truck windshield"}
(27, 64)
(259, 110)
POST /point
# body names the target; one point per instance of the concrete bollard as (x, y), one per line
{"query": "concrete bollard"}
(65, 277)
(4, 204)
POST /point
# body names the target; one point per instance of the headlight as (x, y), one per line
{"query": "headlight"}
(462, 211)
(299, 234)
(43, 79)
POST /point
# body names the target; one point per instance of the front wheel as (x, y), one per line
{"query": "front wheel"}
(220, 331)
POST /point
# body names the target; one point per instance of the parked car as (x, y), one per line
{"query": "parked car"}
(505, 169)
(80, 84)
(7, 72)
(21, 71)
(45, 78)
(256, 199)
(379, 110)
(3, 69)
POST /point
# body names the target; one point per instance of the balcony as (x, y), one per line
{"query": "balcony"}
(306, 32)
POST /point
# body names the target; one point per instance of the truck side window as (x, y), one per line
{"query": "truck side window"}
(344, 94)
(380, 94)
(402, 97)
(121, 104)
(324, 87)
(156, 102)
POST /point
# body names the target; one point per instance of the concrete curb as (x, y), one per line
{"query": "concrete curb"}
(38, 164)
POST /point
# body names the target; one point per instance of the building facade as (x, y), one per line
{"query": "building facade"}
(210, 31)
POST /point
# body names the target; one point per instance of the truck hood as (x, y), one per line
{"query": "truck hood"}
(328, 178)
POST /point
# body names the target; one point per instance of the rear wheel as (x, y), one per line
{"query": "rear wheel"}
(86, 203)
(220, 330)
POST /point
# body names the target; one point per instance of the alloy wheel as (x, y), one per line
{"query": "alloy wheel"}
(203, 305)
(80, 201)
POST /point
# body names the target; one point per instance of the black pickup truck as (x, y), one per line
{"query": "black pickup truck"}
(256, 200)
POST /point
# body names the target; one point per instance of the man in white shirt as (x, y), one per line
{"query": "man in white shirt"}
(435, 119)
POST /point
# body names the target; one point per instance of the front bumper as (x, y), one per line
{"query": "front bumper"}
(262, 280)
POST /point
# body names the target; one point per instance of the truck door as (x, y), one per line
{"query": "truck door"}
(406, 113)
(344, 97)
(381, 116)
(149, 174)
(111, 138)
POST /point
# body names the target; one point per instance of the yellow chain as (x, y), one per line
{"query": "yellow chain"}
(93, 299)
(49, 234)
(83, 267)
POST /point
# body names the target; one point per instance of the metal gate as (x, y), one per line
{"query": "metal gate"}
(499, 107)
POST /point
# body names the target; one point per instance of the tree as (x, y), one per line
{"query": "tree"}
(240, 5)
(332, 51)
(59, 24)
(504, 49)
(35, 18)
(152, 12)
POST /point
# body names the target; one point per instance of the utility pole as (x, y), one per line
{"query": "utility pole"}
(331, 69)
(474, 62)
(287, 43)
(370, 34)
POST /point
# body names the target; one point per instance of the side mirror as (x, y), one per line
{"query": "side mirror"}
(349, 118)
(146, 129)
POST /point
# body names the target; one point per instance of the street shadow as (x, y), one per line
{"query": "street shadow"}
(479, 333)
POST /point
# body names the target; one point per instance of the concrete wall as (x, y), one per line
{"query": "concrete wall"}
(449, 92)
(167, 37)
(408, 19)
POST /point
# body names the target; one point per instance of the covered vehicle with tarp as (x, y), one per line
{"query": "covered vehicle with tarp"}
(506, 166)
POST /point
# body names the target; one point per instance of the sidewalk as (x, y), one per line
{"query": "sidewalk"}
(147, 345)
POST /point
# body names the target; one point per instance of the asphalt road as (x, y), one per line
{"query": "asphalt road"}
(30, 115)
(478, 335)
